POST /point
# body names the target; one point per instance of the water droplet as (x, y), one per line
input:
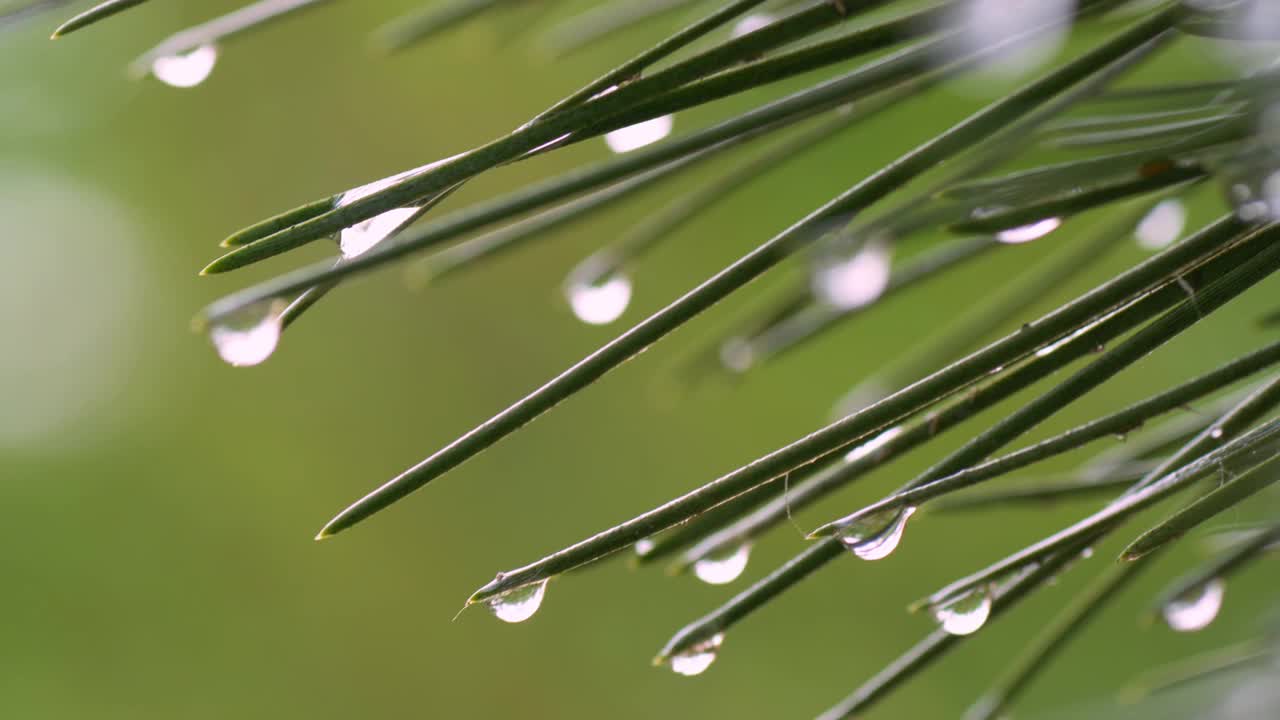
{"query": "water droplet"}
(1253, 187)
(696, 659)
(1216, 433)
(984, 24)
(1086, 553)
(1162, 225)
(723, 568)
(187, 69)
(519, 604)
(1250, 34)
(876, 536)
(644, 546)
(737, 355)
(1027, 233)
(639, 135)
(751, 23)
(249, 336)
(361, 237)
(966, 614)
(872, 445)
(853, 282)
(1195, 609)
(599, 303)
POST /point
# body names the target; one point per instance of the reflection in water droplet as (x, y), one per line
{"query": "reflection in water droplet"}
(876, 536)
(1027, 233)
(600, 303)
(250, 336)
(697, 658)
(966, 614)
(723, 568)
(519, 604)
(983, 24)
(359, 238)
(637, 136)
(751, 23)
(872, 445)
(855, 281)
(1197, 608)
(186, 70)
(1162, 225)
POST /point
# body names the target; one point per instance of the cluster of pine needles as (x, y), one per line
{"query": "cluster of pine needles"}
(1128, 154)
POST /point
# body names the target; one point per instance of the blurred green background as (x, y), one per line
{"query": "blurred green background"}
(159, 506)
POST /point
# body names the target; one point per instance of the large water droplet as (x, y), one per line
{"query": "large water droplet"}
(725, 567)
(874, 444)
(601, 302)
(249, 336)
(519, 604)
(186, 69)
(966, 614)
(1162, 225)
(639, 135)
(876, 536)
(1255, 22)
(697, 658)
(361, 237)
(1027, 233)
(751, 23)
(984, 24)
(1195, 609)
(856, 281)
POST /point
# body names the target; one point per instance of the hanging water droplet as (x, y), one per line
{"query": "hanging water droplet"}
(1195, 609)
(697, 658)
(1086, 553)
(872, 445)
(1027, 233)
(361, 237)
(644, 546)
(856, 281)
(249, 336)
(966, 614)
(751, 23)
(600, 302)
(1162, 225)
(723, 568)
(634, 137)
(519, 604)
(876, 536)
(1216, 433)
(187, 69)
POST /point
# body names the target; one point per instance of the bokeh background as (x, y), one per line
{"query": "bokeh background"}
(158, 505)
